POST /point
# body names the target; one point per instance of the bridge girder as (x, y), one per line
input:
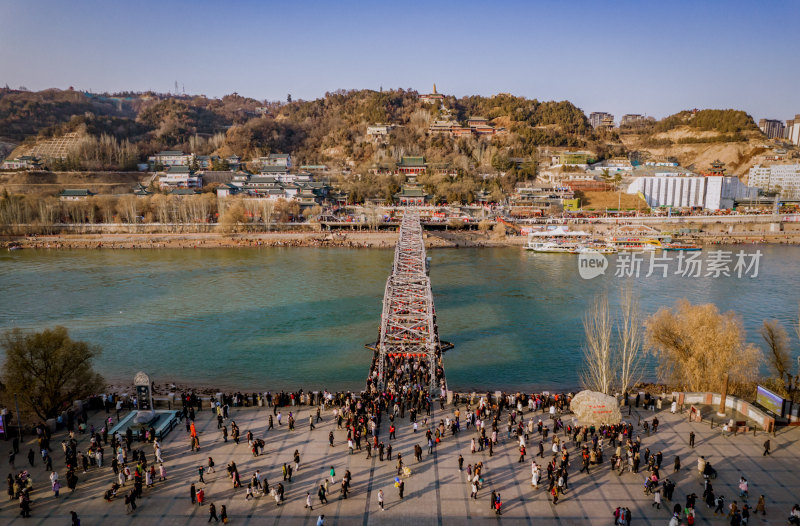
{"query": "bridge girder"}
(408, 324)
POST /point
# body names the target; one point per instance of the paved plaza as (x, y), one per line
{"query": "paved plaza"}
(436, 493)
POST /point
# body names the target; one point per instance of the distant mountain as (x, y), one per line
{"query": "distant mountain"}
(333, 128)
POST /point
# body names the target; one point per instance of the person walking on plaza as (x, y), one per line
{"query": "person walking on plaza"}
(223, 514)
(691, 439)
(720, 508)
(24, 505)
(308, 505)
(321, 495)
(193, 493)
(75, 520)
(401, 488)
(380, 499)
(212, 513)
(761, 506)
(766, 448)
(200, 471)
(743, 488)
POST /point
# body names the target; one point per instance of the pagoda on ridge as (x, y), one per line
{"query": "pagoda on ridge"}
(432, 98)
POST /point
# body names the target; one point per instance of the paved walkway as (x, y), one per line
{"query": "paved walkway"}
(436, 493)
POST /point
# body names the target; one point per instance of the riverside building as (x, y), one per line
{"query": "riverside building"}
(781, 178)
(682, 191)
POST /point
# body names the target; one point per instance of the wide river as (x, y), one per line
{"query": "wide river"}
(277, 318)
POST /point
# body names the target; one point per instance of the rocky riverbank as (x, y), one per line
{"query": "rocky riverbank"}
(379, 239)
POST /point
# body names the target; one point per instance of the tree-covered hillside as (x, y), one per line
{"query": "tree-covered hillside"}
(723, 121)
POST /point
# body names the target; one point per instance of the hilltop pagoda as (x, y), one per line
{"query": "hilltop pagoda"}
(432, 98)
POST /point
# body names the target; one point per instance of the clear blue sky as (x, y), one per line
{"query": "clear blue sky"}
(618, 56)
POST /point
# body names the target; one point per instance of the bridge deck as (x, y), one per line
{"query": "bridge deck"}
(409, 335)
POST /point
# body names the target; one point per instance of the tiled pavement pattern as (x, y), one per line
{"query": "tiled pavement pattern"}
(436, 493)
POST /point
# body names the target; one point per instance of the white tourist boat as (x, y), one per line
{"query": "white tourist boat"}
(559, 240)
(553, 247)
(597, 249)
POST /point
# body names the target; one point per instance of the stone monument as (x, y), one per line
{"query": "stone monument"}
(593, 408)
(144, 397)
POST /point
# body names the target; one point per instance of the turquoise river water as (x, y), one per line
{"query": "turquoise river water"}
(277, 318)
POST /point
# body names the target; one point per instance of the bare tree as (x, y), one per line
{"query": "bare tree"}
(49, 211)
(777, 341)
(107, 205)
(779, 358)
(597, 374)
(267, 211)
(128, 209)
(374, 216)
(628, 352)
(161, 209)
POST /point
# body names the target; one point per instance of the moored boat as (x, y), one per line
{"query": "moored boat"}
(552, 247)
(635, 244)
(682, 246)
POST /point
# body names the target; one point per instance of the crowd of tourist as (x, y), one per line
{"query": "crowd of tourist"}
(538, 426)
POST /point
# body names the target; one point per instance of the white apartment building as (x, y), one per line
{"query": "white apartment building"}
(793, 130)
(784, 178)
(711, 193)
(772, 128)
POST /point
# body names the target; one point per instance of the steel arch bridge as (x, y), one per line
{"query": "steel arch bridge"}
(408, 320)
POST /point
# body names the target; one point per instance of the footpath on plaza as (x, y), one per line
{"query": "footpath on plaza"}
(436, 493)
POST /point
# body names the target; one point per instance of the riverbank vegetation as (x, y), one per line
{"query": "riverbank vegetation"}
(694, 348)
(47, 370)
(696, 345)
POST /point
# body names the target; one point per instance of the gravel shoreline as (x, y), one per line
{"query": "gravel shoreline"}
(385, 240)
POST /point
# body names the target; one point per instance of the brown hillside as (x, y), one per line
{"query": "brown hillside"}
(739, 156)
